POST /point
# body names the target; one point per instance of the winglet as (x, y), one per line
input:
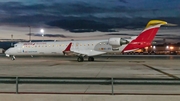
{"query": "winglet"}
(68, 48)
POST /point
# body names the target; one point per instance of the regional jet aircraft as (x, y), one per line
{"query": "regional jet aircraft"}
(88, 48)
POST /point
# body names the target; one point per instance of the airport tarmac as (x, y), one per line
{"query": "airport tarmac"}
(103, 66)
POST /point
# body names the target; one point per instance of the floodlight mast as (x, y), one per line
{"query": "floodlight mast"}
(29, 33)
(42, 32)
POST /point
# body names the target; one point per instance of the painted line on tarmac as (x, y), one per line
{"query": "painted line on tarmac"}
(165, 73)
(137, 61)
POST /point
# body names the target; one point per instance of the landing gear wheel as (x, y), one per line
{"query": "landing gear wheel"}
(80, 59)
(90, 59)
(13, 58)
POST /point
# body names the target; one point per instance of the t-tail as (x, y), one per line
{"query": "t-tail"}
(146, 37)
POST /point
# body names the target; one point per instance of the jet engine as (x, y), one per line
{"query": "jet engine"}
(117, 41)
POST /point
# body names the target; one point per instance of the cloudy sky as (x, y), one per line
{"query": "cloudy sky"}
(78, 18)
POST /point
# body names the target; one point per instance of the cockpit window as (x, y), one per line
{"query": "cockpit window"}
(15, 45)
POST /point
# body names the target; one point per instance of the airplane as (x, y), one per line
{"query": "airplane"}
(88, 48)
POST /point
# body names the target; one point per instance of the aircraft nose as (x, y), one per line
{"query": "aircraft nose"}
(7, 52)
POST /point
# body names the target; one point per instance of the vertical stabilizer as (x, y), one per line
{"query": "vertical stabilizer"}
(146, 37)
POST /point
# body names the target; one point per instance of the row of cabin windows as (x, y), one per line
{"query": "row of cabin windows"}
(60, 45)
(54, 45)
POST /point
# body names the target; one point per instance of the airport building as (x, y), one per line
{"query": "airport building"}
(161, 49)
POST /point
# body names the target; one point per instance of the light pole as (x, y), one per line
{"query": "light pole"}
(42, 32)
(29, 33)
(11, 39)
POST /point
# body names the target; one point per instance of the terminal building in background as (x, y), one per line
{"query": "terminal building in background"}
(161, 49)
(158, 48)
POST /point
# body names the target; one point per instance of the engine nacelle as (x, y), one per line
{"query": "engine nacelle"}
(117, 41)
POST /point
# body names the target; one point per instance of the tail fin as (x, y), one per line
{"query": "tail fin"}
(146, 36)
(150, 31)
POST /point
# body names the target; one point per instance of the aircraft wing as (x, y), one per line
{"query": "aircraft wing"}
(83, 52)
(87, 52)
(70, 51)
(76, 52)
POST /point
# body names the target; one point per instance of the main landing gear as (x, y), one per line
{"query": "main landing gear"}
(90, 59)
(81, 59)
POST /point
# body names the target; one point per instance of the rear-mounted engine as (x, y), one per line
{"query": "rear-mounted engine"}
(117, 41)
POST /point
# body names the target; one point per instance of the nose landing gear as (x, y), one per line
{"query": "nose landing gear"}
(13, 58)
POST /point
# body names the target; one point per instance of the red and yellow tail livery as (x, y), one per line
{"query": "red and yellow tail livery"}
(146, 37)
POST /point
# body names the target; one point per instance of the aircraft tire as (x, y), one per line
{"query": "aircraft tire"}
(80, 59)
(13, 58)
(90, 58)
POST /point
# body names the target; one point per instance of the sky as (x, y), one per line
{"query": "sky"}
(67, 19)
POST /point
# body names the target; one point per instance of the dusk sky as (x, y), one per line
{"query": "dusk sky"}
(78, 18)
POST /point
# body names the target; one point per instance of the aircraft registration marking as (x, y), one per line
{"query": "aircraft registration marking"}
(104, 48)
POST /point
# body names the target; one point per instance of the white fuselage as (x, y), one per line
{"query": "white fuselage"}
(87, 48)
